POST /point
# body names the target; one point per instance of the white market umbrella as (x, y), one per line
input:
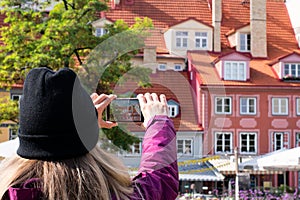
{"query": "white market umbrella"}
(287, 160)
(280, 160)
(9, 148)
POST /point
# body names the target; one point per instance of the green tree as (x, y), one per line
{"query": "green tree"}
(63, 37)
(9, 110)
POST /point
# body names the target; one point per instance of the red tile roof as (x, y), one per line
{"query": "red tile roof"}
(261, 73)
(164, 14)
(280, 36)
(281, 42)
(175, 86)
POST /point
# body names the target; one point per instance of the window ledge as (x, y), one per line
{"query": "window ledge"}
(291, 79)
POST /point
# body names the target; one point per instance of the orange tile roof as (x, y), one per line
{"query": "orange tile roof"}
(261, 73)
(281, 41)
(280, 36)
(163, 14)
(175, 86)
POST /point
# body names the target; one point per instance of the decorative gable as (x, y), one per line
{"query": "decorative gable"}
(287, 68)
(233, 67)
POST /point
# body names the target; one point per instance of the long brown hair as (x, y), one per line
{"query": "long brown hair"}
(96, 175)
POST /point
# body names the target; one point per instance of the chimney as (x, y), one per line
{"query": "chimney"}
(216, 21)
(258, 27)
(115, 4)
(149, 54)
(150, 58)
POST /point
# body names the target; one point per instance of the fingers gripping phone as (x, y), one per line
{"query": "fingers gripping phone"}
(124, 110)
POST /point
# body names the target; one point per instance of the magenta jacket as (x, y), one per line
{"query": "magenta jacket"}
(157, 177)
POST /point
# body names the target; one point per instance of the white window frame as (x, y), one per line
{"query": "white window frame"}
(13, 96)
(298, 106)
(201, 40)
(221, 135)
(100, 31)
(280, 106)
(178, 65)
(173, 110)
(248, 145)
(223, 105)
(275, 146)
(133, 147)
(162, 66)
(181, 39)
(247, 106)
(185, 147)
(297, 137)
(13, 133)
(235, 70)
(291, 70)
(245, 42)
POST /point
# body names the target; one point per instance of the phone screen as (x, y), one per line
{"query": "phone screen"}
(124, 110)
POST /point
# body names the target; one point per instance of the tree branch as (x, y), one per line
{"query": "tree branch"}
(84, 13)
(77, 54)
(78, 57)
(66, 4)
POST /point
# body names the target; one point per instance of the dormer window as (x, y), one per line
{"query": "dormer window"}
(178, 67)
(181, 39)
(100, 32)
(201, 40)
(245, 42)
(162, 66)
(235, 70)
(291, 71)
(173, 108)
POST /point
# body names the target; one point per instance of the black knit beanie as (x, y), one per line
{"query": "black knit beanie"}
(57, 117)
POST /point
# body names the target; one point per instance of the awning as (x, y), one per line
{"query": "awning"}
(199, 177)
(200, 171)
(275, 162)
(226, 166)
(192, 170)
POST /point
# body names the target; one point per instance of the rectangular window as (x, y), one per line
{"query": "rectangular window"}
(13, 133)
(181, 39)
(223, 105)
(245, 42)
(15, 97)
(201, 40)
(248, 142)
(291, 70)
(278, 140)
(297, 139)
(178, 67)
(279, 106)
(298, 106)
(100, 32)
(135, 149)
(247, 106)
(235, 71)
(173, 110)
(223, 142)
(162, 67)
(184, 147)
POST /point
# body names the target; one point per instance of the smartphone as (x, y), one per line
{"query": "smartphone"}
(124, 110)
